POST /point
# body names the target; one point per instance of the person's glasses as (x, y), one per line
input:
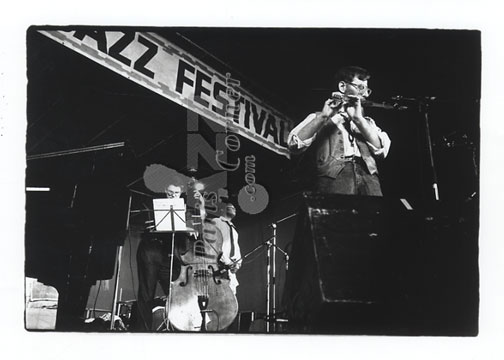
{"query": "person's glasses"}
(361, 88)
(171, 193)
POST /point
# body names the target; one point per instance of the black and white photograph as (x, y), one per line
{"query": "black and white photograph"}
(227, 184)
(321, 190)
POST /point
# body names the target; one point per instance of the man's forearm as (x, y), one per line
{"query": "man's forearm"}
(312, 127)
(369, 133)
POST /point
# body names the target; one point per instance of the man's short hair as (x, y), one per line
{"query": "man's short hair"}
(348, 73)
(178, 182)
(224, 204)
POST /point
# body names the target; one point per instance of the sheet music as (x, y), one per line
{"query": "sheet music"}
(163, 218)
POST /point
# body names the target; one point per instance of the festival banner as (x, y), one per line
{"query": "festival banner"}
(155, 63)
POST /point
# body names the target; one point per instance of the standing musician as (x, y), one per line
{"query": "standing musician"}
(231, 255)
(344, 144)
(154, 262)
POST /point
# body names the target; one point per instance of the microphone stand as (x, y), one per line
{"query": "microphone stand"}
(271, 275)
(118, 271)
(270, 271)
(423, 108)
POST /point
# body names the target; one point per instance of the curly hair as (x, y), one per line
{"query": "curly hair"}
(348, 73)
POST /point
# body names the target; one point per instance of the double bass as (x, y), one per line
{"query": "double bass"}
(201, 298)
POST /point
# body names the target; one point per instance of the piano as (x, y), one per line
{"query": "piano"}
(73, 230)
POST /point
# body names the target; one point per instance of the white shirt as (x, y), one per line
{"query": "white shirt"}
(350, 147)
(227, 258)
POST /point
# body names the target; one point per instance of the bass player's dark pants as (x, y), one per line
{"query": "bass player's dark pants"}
(153, 261)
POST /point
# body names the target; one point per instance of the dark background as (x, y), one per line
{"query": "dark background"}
(74, 102)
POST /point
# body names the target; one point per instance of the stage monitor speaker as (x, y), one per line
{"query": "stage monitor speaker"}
(344, 265)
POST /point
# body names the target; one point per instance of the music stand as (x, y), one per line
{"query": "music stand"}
(169, 216)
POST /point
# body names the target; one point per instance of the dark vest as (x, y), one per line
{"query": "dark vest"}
(329, 152)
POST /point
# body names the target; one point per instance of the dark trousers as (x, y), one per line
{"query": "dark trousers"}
(352, 180)
(153, 261)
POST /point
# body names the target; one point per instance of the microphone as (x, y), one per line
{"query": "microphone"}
(383, 105)
(420, 98)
